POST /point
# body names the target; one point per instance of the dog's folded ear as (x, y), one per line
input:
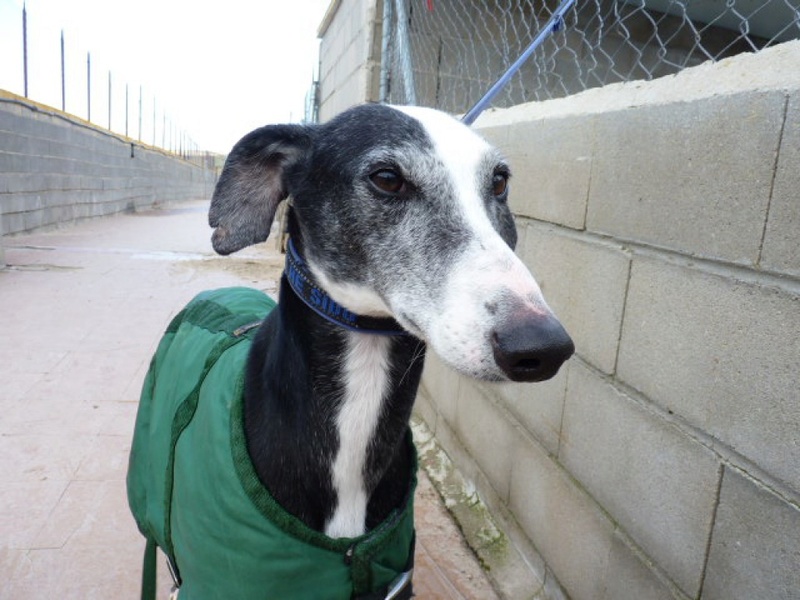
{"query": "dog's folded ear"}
(252, 184)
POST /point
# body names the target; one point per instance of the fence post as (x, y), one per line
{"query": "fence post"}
(109, 100)
(404, 49)
(140, 112)
(386, 50)
(63, 77)
(25, 47)
(89, 86)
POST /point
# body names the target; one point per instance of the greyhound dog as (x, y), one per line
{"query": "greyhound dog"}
(400, 238)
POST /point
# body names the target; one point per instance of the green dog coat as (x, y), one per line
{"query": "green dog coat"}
(194, 491)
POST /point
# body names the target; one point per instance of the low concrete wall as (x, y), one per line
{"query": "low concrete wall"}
(662, 221)
(55, 168)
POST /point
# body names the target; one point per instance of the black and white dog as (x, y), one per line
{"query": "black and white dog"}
(401, 213)
(400, 237)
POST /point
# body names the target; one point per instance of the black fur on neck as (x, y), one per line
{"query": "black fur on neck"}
(293, 391)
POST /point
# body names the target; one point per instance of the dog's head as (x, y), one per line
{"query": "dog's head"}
(402, 212)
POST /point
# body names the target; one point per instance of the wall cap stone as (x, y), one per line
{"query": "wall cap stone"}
(776, 68)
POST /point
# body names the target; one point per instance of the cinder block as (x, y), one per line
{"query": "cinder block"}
(569, 530)
(721, 353)
(26, 183)
(40, 125)
(498, 137)
(630, 578)
(424, 409)
(61, 130)
(694, 177)
(584, 283)
(781, 250)
(33, 219)
(442, 383)
(551, 161)
(11, 163)
(70, 149)
(20, 203)
(12, 120)
(537, 406)
(82, 211)
(755, 549)
(487, 434)
(655, 481)
(17, 143)
(13, 223)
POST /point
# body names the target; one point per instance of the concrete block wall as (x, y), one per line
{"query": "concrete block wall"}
(350, 55)
(662, 220)
(55, 168)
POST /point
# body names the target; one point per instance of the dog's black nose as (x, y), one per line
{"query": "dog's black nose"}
(531, 347)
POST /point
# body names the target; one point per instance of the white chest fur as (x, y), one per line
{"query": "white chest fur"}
(366, 375)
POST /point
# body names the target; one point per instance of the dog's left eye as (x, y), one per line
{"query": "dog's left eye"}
(499, 184)
(389, 181)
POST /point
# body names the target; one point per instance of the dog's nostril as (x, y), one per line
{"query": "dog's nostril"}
(527, 363)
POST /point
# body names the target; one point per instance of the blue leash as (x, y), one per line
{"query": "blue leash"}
(553, 25)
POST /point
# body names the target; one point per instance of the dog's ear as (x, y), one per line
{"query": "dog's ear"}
(253, 183)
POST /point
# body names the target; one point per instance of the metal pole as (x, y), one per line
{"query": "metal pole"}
(89, 86)
(404, 50)
(126, 110)
(386, 50)
(25, 47)
(554, 24)
(109, 100)
(140, 113)
(154, 120)
(63, 77)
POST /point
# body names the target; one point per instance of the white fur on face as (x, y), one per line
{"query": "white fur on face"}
(366, 377)
(458, 325)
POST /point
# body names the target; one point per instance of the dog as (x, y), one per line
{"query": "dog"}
(400, 238)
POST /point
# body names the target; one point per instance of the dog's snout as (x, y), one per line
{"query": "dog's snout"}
(531, 348)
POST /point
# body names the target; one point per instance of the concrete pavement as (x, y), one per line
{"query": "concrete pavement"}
(81, 311)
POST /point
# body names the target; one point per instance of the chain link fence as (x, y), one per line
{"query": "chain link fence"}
(446, 53)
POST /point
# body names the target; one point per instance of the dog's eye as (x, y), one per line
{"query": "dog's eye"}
(500, 184)
(389, 181)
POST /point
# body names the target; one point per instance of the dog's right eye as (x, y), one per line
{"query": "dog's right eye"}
(388, 181)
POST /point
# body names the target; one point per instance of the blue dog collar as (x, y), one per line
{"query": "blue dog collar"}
(303, 285)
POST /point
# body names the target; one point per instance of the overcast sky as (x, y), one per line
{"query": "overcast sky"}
(217, 69)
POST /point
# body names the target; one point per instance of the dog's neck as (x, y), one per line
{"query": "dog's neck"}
(326, 417)
(305, 287)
